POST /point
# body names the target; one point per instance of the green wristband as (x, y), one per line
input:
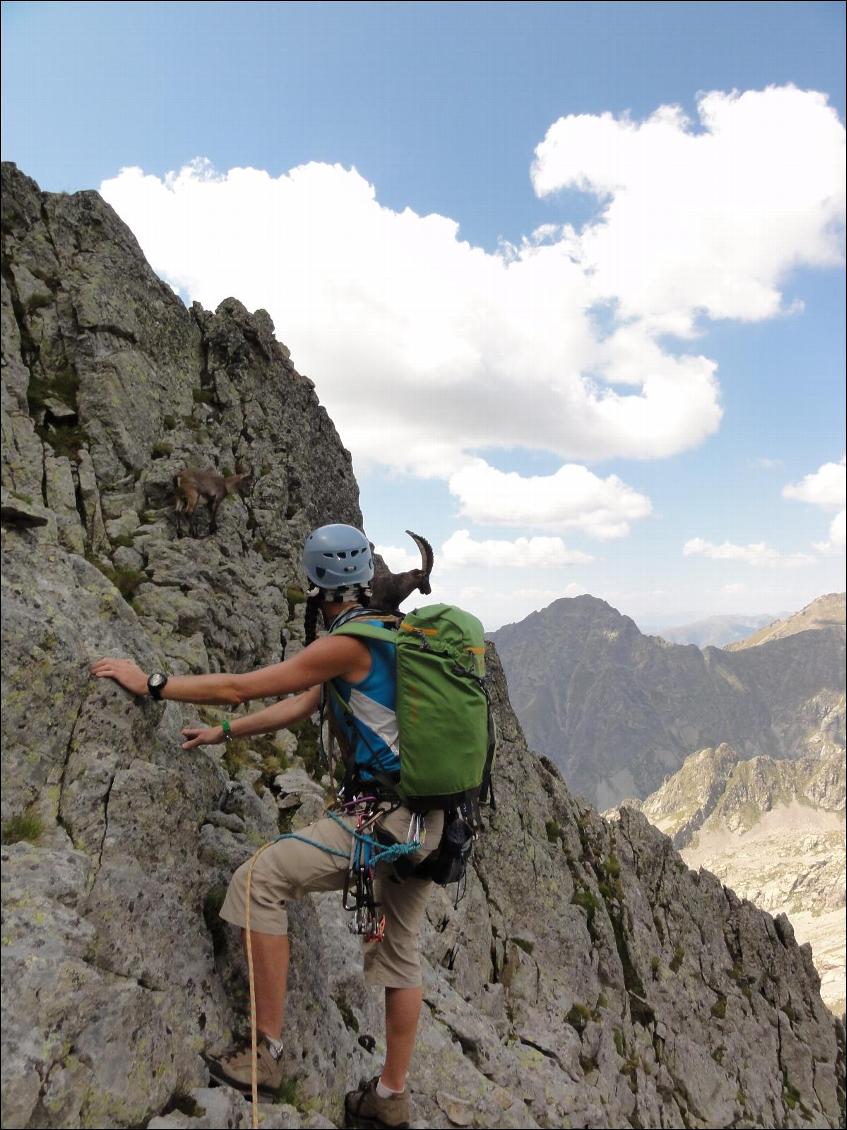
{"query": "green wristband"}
(228, 734)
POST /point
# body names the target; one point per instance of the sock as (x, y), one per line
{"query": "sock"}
(274, 1045)
(386, 1092)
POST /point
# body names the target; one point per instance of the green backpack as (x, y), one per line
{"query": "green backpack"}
(444, 719)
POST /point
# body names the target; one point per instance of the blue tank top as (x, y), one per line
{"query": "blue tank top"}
(371, 705)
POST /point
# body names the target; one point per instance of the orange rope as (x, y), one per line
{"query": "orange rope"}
(254, 1068)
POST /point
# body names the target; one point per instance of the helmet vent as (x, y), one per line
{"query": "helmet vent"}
(338, 555)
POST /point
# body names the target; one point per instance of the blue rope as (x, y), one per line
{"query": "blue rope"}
(383, 853)
(368, 847)
(311, 843)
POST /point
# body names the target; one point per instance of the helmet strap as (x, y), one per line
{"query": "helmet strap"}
(341, 595)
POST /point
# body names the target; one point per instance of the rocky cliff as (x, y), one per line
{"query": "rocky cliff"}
(618, 711)
(774, 832)
(589, 978)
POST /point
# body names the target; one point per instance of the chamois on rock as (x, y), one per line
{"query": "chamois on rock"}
(389, 590)
(192, 486)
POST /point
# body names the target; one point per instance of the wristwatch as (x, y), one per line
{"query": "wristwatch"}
(156, 683)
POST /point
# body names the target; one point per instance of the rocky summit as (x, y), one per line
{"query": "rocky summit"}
(714, 631)
(619, 711)
(588, 978)
(825, 612)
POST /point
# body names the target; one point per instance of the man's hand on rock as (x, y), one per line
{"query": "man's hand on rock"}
(199, 735)
(123, 671)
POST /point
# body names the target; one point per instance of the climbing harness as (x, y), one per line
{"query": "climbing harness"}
(361, 874)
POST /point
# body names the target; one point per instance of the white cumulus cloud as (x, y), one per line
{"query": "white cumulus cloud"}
(837, 541)
(826, 488)
(757, 553)
(461, 550)
(426, 349)
(572, 498)
(706, 216)
(399, 559)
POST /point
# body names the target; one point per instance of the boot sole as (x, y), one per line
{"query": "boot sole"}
(359, 1122)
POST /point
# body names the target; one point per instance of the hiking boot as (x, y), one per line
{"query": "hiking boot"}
(233, 1068)
(364, 1108)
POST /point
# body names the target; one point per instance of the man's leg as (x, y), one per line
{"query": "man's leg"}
(394, 963)
(287, 869)
(402, 1010)
(270, 979)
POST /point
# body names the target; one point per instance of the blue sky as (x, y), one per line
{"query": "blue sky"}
(659, 369)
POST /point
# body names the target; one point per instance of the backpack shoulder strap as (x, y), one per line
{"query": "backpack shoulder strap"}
(387, 633)
(354, 626)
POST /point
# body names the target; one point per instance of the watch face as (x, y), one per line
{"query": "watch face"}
(155, 684)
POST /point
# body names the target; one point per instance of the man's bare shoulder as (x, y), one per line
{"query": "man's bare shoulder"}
(335, 656)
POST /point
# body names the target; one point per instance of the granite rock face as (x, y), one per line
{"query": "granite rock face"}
(774, 832)
(588, 978)
(619, 711)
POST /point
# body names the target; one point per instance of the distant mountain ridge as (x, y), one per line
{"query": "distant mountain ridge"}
(825, 612)
(774, 832)
(714, 631)
(716, 786)
(618, 711)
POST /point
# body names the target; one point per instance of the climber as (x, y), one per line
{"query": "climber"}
(339, 564)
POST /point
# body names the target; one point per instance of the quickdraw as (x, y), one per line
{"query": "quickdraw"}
(365, 853)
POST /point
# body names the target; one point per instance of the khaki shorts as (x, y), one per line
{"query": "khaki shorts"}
(290, 869)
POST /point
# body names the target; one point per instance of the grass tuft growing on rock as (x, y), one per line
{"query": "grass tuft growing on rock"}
(27, 826)
(286, 1093)
(126, 581)
(347, 1014)
(308, 742)
(790, 1095)
(584, 898)
(578, 1016)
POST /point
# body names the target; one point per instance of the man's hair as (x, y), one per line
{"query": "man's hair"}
(360, 593)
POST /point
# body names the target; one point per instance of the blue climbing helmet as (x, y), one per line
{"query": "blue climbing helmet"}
(338, 556)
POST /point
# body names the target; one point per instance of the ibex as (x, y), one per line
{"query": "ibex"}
(389, 590)
(191, 486)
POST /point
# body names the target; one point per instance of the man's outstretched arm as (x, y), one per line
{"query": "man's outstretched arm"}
(322, 660)
(272, 718)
